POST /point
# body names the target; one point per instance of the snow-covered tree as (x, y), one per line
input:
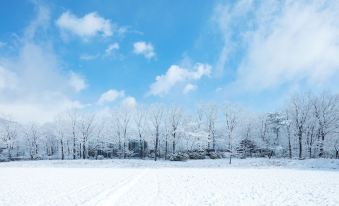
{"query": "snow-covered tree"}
(86, 129)
(231, 113)
(156, 112)
(8, 135)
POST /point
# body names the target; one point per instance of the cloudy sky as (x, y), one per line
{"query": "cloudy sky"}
(56, 55)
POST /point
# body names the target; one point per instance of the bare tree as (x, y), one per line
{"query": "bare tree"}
(33, 136)
(300, 113)
(60, 130)
(194, 131)
(122, 119)
(8, 135)
(326, 110)
(175, 119)
(336, 148)
(117, 130)
(86, 128)
(73, 118)
(125, 119)
(288, 130)
(310, 133)
(167, 130)
(231, 121)
(211, 117)
(140, 122)
(276, 121)
(156, 117)
(97, 143)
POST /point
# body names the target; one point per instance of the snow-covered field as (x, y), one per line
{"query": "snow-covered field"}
(138, 182)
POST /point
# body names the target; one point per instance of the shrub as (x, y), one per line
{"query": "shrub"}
(180, 156)
(3, 158)
(262, 152)
(226, 154)
(247, 147)
(36, 157)
(100, 157)
(215, 155)
(196, 155)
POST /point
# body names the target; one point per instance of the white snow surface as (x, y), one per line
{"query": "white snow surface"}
(145, 182)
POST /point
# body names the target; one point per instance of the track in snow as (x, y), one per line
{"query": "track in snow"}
(167, 186)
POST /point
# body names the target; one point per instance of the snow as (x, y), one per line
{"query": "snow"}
(144, 182)
(327, 164)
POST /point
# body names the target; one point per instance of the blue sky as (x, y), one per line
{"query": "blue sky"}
(99, 54)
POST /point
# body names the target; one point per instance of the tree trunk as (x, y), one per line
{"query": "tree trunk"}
(9, 151)
(62, 150)
(321, 153)
(124, 149)
(209, 142)
(36, 149)
(156, 143)
(166, 147)
(84, 151)
(68, 151)
(119, 148)
(277, 137)
(289, 146)
(80, 151)
(300, 143)
(173, 146)
(140, 147)
(74, 150)
(213, 142)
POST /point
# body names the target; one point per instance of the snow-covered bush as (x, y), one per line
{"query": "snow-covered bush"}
(246, 147)
(180, 156)
(36, 157)
(3, 158)
(263, 152)
(227, 154)
(195, 155)
(215, 155)
(100, 157)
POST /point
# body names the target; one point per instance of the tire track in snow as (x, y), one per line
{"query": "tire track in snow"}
(112, 196)
(90, 192)
(146, 192)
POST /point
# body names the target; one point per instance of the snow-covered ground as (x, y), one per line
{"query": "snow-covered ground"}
(144, 182)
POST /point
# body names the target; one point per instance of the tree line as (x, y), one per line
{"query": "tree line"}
(306, 127)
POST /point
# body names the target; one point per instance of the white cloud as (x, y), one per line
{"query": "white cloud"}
(110, 96)
(176, 74)
(285, 42)
(144, 48)
(2, 44)
(77, 82)
(189, 88)
(89, 57)
(27, 111)
(8, 79)
(129, 102)
(40, 23)
(87, 26)
(33, 85)
(111, 48)
(218, 89)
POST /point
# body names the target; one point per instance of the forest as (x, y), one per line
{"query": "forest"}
(307, 126)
